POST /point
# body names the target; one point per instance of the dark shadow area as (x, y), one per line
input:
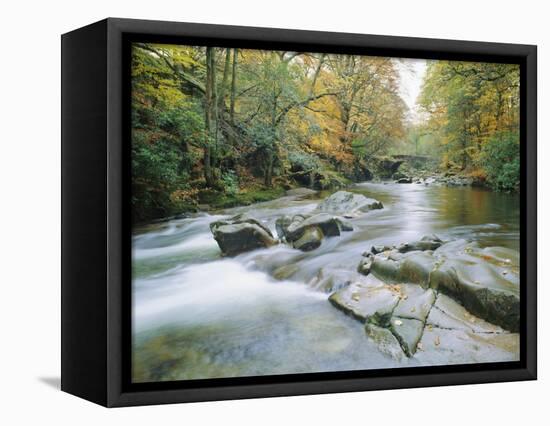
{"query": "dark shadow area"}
(54, 382)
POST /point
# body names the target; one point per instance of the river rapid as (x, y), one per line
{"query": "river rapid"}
(196, 314)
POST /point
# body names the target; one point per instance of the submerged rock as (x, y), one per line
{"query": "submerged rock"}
(345, 203)
(240, 235)
(330, 279)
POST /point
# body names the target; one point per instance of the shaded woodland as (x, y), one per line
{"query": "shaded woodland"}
(219, 127)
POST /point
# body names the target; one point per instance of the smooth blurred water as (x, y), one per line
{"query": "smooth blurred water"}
(198, 315)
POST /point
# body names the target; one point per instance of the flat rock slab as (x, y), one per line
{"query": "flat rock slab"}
(485, 281)
(408, 332)
(446, 313)
(414, 303)
(345, 203)
(385, 340)
(366, 303)
(443, 346)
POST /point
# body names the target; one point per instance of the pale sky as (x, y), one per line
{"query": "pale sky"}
(411, 72)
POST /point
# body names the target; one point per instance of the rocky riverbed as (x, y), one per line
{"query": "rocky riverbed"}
(475, 291)
(373, 277)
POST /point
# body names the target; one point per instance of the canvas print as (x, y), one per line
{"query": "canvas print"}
(304, 212)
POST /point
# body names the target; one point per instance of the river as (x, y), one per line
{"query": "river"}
(197, 315)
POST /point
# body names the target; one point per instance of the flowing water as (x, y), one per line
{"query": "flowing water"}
(198, 315)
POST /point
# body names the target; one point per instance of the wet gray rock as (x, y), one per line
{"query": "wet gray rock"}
(330, 279)
(345, 203)
(329, 225)
(408, 332)
(448, 314)
(365, 265)
(379, 249)
(429, 242)
(306, 232)
(241, 235)
(345, 226)
(456, 346)
(415, 302)
(243, 218)
(385, 340)
(484, 281)
(404, 180)
(454, 304)
(399, 175)
(310, 239)
(372, 303)
(396, 310)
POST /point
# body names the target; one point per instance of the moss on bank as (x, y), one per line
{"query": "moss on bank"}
(220, 200)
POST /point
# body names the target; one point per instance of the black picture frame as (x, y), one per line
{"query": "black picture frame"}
(96, 225)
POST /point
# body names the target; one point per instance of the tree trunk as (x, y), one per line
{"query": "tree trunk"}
(210, 115)
(232, 97)
(225, 80)
(268, 174)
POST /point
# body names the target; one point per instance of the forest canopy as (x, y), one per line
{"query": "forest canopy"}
(228, 126)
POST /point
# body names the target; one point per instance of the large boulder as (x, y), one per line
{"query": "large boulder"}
(310, 239)
(345, 203)
(306, 232)
(240, 235)
(328, 224)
